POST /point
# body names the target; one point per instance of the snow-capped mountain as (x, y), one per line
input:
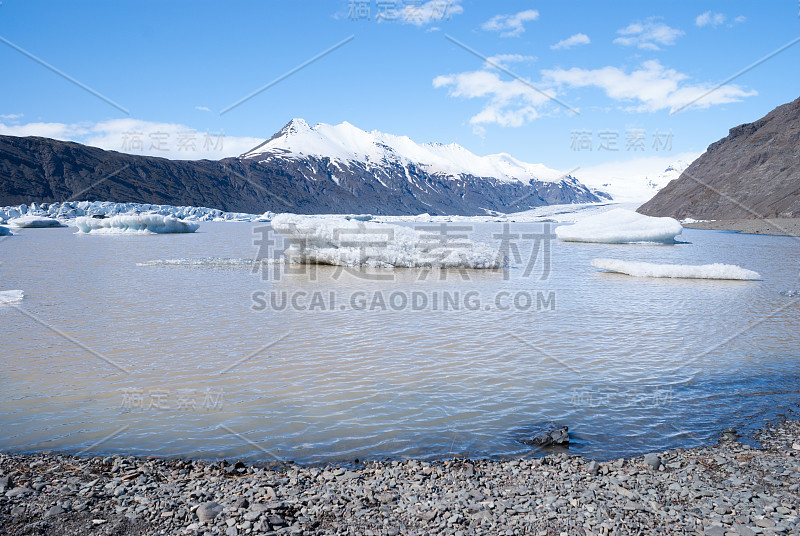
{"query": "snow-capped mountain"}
(345, 143)
(321, 170)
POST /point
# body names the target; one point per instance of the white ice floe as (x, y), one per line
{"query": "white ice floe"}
(31, 221)
(683, 271)
(10, 296)
(340, 242)
(136, 224)
(620, 226)
(4, 231)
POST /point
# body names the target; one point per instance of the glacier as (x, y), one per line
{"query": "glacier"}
(621, 226)
(341, 242)
(683, 271)
(636, 180)
(4, 231)
(8, 297)
(137, 224)
(71, 210)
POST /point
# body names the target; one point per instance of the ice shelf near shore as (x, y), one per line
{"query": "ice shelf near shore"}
(341, 242)
(10, 296)
(71, 210)
(4, 231)
(620, 226)
(682, 271)
(137, 224)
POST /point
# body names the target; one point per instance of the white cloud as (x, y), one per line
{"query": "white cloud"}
(714, 19)
(168, 140)
(58, 131)
(649, 88)
(510, 103)
(569, 42)
(510, 25)
(504, 59)
(648, 35)
(202, 108)
(652, 87)
(429, 12)
(10, 117)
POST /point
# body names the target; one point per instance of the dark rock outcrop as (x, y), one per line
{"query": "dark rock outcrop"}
(752, 173)
(548, 435)
(45, 170)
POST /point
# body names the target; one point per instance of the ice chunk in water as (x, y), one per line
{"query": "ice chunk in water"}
(35, 222)
(620, 226)
(136, 224)
(684, 271)
(10, 296)
(341, 242)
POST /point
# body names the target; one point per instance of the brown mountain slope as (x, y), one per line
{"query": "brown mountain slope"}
(752, 173)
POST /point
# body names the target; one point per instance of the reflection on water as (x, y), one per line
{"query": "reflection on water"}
(112, 354)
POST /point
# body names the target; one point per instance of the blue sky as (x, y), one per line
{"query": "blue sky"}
(626, 68)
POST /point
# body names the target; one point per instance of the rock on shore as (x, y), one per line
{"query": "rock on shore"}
(728, 488)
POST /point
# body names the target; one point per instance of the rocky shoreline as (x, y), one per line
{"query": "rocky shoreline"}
(766, 226)
(728, 488)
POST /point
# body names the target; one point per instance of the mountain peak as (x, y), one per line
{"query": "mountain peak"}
(296, 125)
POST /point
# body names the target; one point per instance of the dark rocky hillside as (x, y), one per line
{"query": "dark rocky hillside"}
(753, 172)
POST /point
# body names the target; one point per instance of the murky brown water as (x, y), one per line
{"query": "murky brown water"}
(105, 355)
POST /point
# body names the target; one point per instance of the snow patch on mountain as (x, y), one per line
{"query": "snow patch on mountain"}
(347, 144)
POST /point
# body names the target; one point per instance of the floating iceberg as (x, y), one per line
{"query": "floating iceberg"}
(620, 226)
(10, 296)
(136, 224)
(4, 231)
(341, 242)
(684, 271)
(30, 222)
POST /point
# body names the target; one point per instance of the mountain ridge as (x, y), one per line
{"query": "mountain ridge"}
(346, 142)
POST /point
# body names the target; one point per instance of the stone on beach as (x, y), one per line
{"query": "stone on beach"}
(208, 511)
(653, 460)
